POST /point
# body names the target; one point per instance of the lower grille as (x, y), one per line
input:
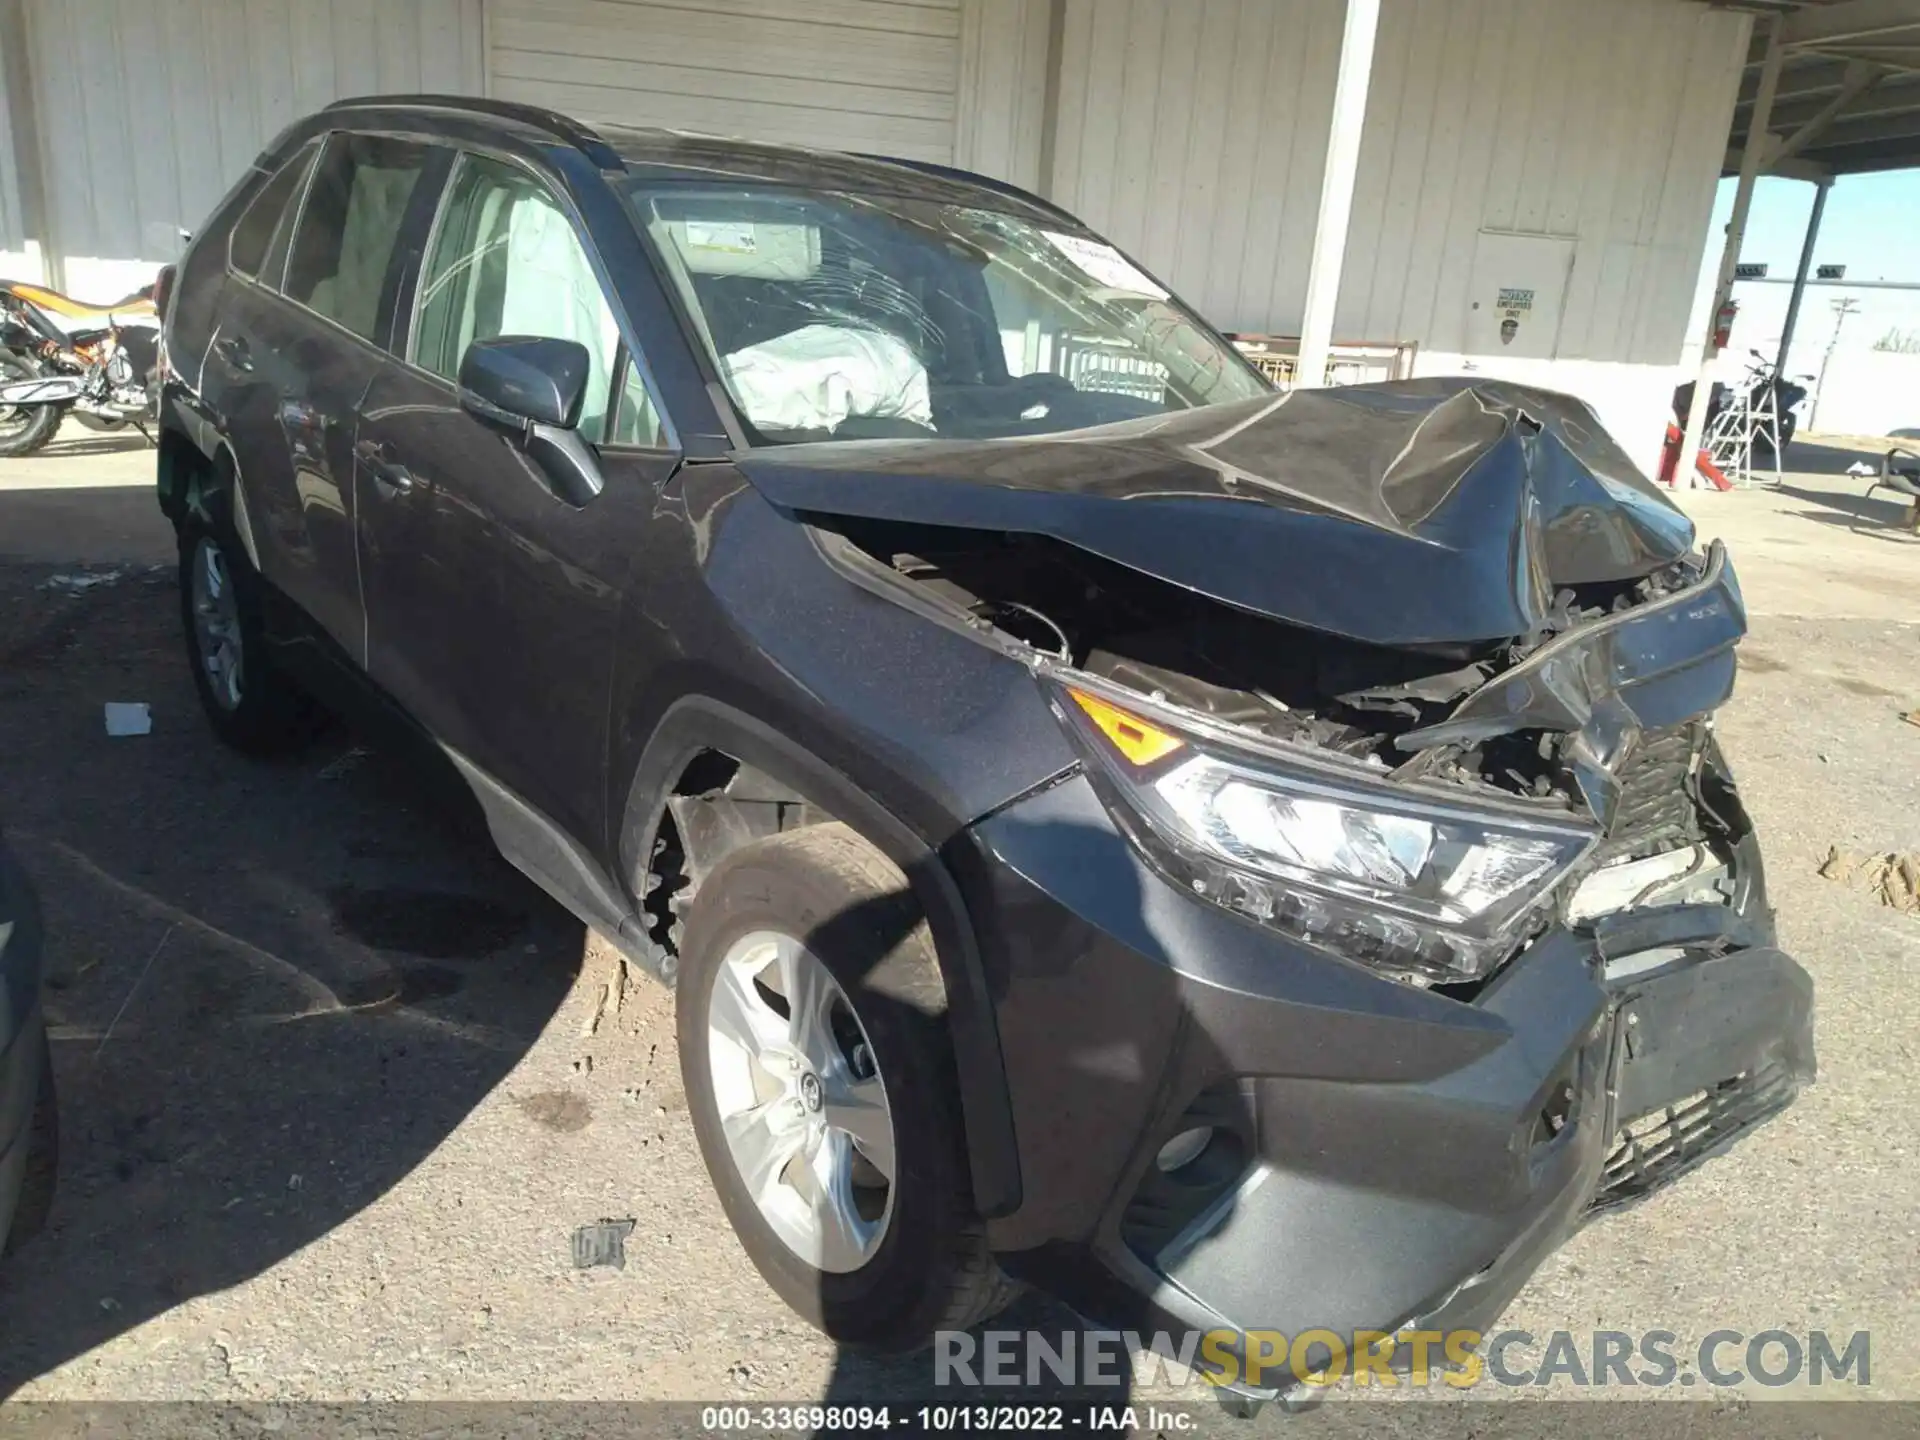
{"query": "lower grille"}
(1658, 1147)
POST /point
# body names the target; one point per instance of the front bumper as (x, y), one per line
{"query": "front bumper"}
(1382, 1157)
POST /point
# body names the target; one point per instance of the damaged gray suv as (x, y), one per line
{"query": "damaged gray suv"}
(1237, 860)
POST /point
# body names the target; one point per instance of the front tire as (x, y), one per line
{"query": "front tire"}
(24, 428)
(250, 704)
(820, 1080)
(1763, 443)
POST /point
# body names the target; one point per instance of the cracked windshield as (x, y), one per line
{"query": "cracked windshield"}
(841, 317)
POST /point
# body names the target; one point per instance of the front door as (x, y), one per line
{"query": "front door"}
(492, 604)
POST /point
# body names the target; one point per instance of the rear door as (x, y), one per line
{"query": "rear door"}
(297, 348)
(225, 294)
(492, 604)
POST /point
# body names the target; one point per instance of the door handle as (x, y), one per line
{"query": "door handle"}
(235, 351)
(389, 474)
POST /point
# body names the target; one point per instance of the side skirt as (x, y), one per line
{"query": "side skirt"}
(546, 855)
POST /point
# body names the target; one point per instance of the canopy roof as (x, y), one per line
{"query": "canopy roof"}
(1848, 99)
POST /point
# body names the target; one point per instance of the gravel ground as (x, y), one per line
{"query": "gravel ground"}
(338, 1084)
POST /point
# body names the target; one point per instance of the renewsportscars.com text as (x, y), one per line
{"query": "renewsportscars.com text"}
(1460, 1359)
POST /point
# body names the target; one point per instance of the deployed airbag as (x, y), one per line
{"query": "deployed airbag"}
(817, 376)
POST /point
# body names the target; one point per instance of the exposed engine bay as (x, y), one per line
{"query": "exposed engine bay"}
(1373, 704)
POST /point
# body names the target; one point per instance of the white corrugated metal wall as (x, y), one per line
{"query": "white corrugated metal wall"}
(149, 112)
(841, 74)
(1195, 134)
(1006, 64)
(1602, 123)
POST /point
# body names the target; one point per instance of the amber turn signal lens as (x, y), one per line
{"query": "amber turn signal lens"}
(1133, 737)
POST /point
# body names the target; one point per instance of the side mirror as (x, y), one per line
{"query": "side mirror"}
(521, 380)
(533, 388)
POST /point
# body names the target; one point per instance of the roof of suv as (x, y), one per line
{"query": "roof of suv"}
(680, 154)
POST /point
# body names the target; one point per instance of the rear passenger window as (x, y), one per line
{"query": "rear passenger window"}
(247, 245)
(355, 208)
(506, 261)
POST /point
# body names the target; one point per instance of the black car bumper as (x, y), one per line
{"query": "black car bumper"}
(1380, 1157)
(22, 1032)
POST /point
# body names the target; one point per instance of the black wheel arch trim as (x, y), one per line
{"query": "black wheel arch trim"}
(697, 722)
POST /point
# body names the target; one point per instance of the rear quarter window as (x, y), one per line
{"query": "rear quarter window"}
(252, 236)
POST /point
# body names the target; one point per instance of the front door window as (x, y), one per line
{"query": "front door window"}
(506, 261)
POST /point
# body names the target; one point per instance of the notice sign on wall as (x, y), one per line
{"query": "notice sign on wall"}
(1516, 294)
(1514, 305)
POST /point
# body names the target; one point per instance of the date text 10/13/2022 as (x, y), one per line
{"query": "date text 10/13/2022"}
(961, 1418)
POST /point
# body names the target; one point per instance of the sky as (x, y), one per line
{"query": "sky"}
(1871, 225)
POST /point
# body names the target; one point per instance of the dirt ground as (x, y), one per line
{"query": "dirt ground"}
(338, 1085)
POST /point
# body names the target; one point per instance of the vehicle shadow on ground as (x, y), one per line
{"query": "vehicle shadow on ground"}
(274, 987)
(75, 527)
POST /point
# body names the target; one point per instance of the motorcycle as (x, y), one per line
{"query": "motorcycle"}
(1787, 394)
(61, 356)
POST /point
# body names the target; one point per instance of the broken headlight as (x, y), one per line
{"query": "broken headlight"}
(1392, 876)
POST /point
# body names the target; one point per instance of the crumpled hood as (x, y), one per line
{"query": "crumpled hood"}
(1420, 511)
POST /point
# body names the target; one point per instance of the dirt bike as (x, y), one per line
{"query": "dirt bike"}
(1787, 395)
(61, 356)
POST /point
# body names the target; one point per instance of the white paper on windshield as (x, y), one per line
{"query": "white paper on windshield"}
(762, 249)
(1106, 265)
(729, 237)
(815, 377)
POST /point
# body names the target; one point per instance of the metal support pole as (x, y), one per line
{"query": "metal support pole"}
(1750, 153)
(1843, 306)
(1336, 191)
(1800, 276)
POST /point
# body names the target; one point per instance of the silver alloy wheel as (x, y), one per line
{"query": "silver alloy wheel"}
(216, 624)
(801, 1102)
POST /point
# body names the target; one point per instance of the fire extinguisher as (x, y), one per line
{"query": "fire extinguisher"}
(1723, 323)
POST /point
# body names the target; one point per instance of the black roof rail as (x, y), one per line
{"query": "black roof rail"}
(561, 127)
(973, 177)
